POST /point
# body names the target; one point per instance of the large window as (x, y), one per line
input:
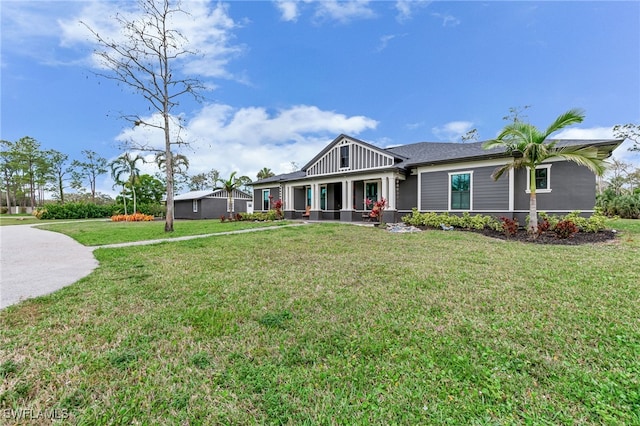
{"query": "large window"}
(371, 193)
(460, 191)
(195, 206)
(265, 199)
(344, 156)
(543, 178)
(309, 196)
(323, 198)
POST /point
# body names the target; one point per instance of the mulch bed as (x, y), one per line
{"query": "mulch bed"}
(550, 238)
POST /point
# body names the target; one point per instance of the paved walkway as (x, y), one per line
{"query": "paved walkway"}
(35, 262)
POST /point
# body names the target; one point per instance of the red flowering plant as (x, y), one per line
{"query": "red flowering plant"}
(277, 206)
(378, 209)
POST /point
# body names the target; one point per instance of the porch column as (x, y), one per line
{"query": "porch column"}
(315, 197)
(392, 194)
(385, 188)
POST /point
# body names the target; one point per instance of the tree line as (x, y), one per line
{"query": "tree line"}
(31, 176)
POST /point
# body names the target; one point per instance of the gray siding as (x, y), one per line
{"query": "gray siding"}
(408, 193)
(257, 197)
(208, 208)
(573, 187)
(489, 194)
(434, 191)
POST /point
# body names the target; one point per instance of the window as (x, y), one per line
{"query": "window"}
(309, 196)
(543, 178)
(323, 198)
(195, 206)
(344, 156)
(265, 199)
(460, 191)
(370, 193)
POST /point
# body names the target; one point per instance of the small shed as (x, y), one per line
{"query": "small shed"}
(210, 204)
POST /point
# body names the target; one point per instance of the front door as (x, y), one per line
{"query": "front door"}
(371, 193)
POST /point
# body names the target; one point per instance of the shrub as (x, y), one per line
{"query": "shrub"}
(565, 229)
(136, 217)
(509, 226)
(74, 211)
(543, 226)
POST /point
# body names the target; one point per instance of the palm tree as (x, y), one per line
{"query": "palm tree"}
(231, 185)
(265, 173)
(126, 165)
(530, 147)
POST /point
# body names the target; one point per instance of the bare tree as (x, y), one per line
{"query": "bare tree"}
(145, 60)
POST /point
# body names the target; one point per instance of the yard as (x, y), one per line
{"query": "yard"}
(335, 324)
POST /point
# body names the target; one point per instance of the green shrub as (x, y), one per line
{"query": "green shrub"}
(74, 211)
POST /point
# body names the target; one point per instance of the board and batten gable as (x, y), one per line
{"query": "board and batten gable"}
(346, 154)
(486, 195)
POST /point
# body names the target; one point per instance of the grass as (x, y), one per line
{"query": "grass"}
(94, 233)
(334, 324)
(20, 219)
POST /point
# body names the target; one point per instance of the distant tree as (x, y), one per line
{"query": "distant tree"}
(88, 170)
(470, 136)
(59, 169)
(628, 131)
(145, 62)
(149, 190)
(516, 114)
(180, 167)
(204, 181)
(294, 167)
(231, 185)
(9, 169)
(28, 158)
(264, 173)
(124, 171)
(530, 148)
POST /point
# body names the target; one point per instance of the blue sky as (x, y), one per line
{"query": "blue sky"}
(288, 77)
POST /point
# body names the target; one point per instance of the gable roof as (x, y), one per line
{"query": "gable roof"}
(218, 193)
(341, 137)
(428, 153)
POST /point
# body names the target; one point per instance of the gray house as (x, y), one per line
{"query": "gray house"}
(210, 204)
(429, 176)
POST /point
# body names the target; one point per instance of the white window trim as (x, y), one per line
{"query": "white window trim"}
(195, 206)
(268, 192)
(326, 197)
(349, 156)
(539, 191)
(470, 173)
(378, 183)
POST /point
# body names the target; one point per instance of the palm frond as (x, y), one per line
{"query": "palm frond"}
(573, 116)
(585, 156)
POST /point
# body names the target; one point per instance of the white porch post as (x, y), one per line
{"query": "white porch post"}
(345, 195)
(315, 197)
(385, 188)
(392, 193)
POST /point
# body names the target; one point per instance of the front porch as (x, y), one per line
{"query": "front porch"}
(341, 200)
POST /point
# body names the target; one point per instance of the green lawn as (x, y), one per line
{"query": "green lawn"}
(95, 233)
(336, 324)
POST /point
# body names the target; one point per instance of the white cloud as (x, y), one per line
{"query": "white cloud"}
(406, 8)
(207, 28)
(447, 19)
(385, 39)
(288, 9)
(247, 139)
(343, 11)
(453, 130)
(621, 153)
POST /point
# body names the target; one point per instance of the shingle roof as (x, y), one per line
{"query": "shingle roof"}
(196, 195)
(424, 153)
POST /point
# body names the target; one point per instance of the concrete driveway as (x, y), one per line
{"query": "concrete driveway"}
(34, 262)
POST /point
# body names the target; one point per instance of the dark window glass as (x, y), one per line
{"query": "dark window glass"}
(542, 178)
(344, 156)
(461, 191)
